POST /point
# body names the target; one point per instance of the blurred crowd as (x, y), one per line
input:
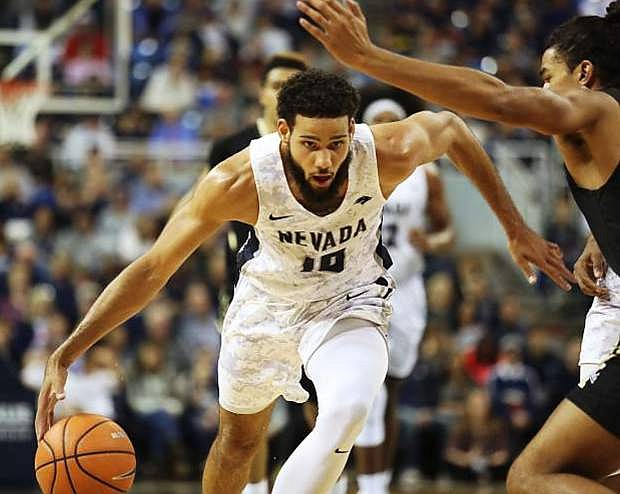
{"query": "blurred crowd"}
(489, 372)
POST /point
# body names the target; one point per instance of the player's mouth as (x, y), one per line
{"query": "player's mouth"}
(322, 180)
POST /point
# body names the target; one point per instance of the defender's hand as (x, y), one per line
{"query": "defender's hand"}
(341, 29)
(589, 268)
(527, 248)
(52, 391)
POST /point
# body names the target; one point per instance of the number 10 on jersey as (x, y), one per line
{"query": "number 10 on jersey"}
(333, 263)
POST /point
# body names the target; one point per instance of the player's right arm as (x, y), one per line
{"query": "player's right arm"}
(426, 136)
(344, 33)
(225, 193)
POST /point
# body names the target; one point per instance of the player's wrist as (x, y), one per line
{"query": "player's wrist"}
(369, 58)
(516, 230)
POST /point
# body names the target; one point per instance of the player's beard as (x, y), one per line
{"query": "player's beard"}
(310, 194)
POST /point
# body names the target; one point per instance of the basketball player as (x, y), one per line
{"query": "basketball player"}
(417, 202)
(275, 73)
(313, 288)
(578, 449)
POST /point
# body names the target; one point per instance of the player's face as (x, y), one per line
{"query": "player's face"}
(556, 74)
(319, 147)
(268, 97)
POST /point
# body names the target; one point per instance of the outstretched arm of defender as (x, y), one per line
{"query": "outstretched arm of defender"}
(222, 195)
(342, 29)
(425, 137)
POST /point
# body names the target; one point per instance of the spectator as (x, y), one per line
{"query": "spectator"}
(151, 195)
(171, 88)
(477, 448)
(515, 392)
(198, 330)
(155, 403)
(82, 138)
(86, 59)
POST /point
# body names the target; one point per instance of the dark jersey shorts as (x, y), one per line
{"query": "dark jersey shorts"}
(600, 397)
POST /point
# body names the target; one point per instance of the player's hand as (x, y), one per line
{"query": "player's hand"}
(52, 391)
(527, 249)
(589, 269)
(419, 240)
(340, 27)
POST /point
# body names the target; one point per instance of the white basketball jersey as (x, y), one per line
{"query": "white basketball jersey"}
(298, 255)
(405, 210)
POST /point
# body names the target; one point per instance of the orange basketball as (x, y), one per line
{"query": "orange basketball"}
(85, 454)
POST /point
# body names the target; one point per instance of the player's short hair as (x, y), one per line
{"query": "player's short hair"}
(283, 60)
(317, 94)
(592, 38)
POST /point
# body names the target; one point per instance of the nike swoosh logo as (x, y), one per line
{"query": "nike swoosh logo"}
(340, 452)
(276, 218)
(350, 297)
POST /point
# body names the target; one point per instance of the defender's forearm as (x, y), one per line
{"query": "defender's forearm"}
(459, 89)
(124, 297)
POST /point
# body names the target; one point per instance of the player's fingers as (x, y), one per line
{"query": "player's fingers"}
(558, 276)
(557, 262)
(587, 284)
(555, 268)
(313, 30)
(40, 422)
(317, 17)
(322, 7)
(337, 7)
(356, 9)
(528, 271)
(599, 266)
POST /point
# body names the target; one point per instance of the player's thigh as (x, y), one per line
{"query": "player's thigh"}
(571, 442)
(353, 360)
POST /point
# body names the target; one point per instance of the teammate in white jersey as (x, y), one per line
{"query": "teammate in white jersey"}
(416, 220)
(314, 288)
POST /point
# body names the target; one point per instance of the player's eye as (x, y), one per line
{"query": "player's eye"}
(336, 145)
(310, 145)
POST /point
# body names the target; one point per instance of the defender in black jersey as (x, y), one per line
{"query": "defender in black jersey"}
(578, 449)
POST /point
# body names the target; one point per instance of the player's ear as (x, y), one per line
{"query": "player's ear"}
(351, 128)
(586, 73)
(284, 130)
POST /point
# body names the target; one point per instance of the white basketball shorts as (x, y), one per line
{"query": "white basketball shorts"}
(266, 340)
(601, 334)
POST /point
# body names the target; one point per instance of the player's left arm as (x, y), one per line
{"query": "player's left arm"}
(440, 235)
(426, 136)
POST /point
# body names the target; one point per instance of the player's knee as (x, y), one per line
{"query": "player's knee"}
(519, 478)
(348, 417)
(237, 445)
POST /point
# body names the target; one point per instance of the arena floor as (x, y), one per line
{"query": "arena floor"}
(194, 488)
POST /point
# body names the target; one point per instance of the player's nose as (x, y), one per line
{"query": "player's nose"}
(323, 161)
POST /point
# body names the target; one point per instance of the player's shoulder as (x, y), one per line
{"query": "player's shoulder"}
(235, 171)
(230, 189)
(593, 98)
